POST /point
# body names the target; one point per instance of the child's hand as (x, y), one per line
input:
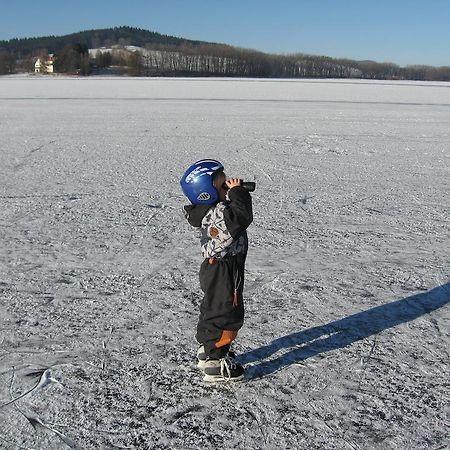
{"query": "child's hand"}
(233, 182)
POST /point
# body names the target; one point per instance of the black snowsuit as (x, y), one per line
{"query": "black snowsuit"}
(224, 246)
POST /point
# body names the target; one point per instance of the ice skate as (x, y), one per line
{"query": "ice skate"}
(222, 370)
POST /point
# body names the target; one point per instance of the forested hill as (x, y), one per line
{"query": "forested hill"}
(138, 52)
(21, 48)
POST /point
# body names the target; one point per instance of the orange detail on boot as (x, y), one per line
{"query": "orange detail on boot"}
(227, 338)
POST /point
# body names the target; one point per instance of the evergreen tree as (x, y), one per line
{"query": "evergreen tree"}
(7, 63)
(73, 59)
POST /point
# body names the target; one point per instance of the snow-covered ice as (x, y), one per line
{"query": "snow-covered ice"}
(346, 338)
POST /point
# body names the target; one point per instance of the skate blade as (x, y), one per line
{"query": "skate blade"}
(220, 379)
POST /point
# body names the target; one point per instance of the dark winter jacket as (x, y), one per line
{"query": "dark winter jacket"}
(223, 226)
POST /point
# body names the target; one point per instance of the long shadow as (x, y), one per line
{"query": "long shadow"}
(343, 332)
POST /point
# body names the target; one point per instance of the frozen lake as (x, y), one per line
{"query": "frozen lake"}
(346, 339)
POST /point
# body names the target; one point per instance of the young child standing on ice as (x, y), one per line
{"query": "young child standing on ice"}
(222, 210)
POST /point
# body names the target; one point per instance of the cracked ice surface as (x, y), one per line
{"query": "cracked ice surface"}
(346, 338)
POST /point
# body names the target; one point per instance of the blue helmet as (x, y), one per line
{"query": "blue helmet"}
(197, 182)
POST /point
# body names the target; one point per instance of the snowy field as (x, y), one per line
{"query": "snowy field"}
(346, 339)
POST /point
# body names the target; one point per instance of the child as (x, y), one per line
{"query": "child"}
(222, 210)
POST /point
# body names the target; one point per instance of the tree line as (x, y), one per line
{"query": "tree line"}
(160, 55)
(227, 61)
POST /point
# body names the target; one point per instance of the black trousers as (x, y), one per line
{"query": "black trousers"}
(222, 307)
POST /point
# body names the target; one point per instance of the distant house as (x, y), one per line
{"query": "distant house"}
(41, 66)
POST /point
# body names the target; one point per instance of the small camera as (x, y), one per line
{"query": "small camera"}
(249, 186)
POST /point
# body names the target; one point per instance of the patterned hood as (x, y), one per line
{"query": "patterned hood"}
(195, 213)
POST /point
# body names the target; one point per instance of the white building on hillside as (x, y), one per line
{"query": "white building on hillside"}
(44, 66)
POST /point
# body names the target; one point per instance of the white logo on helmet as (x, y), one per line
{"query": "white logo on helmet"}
(199, 171)
(204, 196)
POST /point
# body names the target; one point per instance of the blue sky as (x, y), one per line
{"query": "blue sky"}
(398, 31)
